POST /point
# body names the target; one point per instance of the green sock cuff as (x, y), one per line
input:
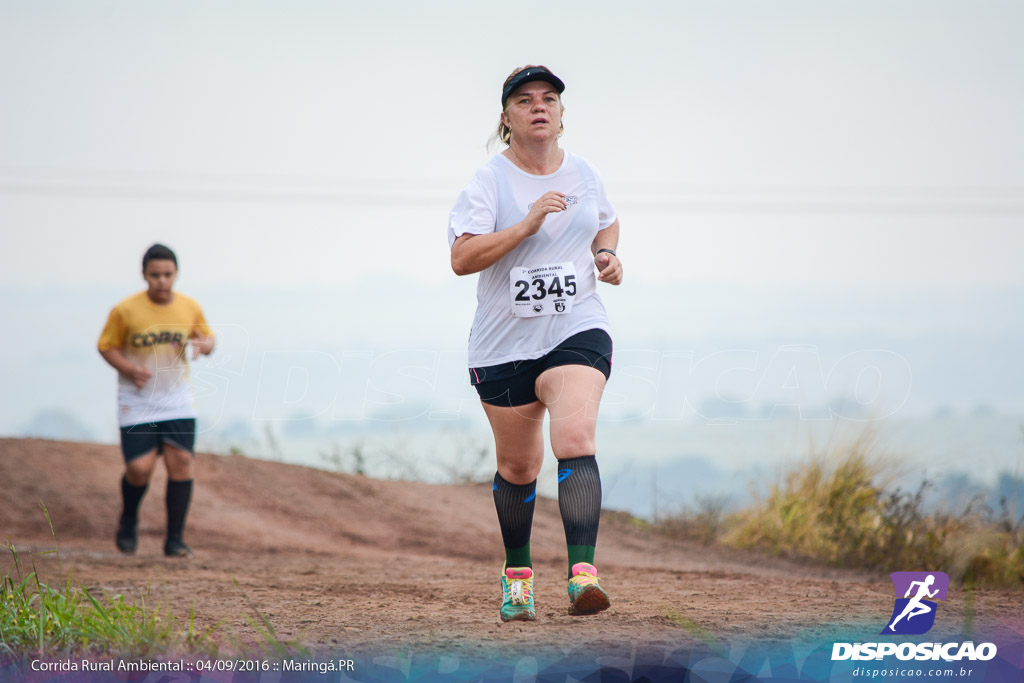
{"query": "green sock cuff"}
(580, 553)
(518, 557)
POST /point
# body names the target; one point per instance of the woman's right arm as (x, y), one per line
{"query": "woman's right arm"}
(472, 253)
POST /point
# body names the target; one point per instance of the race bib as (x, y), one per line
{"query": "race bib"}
(542, 290)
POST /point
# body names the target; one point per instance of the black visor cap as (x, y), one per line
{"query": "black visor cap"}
(535, 73)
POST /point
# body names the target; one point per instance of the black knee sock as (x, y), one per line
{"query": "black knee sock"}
(515, 504)
(179, 495)
(579, 501)
(132, 496)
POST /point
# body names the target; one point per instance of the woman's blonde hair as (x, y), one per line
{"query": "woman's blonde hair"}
(504, 134)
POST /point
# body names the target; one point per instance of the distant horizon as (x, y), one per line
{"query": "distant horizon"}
(686, 475)
(931, 363)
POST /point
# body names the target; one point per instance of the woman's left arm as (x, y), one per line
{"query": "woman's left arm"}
(609, 267)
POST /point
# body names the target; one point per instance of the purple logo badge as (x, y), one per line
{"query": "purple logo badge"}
(916, 593)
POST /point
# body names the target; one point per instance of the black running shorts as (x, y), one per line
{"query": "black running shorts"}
(512, 384)
(142, 438)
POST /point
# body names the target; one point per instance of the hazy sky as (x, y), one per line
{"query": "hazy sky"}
(741, 141)
(780, 169)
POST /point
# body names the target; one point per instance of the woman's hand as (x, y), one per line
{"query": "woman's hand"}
(609, 268)
(549, 202)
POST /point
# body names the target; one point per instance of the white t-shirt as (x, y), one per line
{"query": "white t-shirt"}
(500, 196)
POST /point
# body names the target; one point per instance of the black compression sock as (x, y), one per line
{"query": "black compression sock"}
(579, 501)
(179, 495)
(515, 504)
(132, 496)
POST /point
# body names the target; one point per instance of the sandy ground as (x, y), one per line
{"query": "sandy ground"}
(339, 562)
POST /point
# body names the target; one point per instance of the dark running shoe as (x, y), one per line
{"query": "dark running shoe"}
(127, 538)
(177, 548)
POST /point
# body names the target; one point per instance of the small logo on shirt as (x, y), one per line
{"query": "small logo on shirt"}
(570, 200)
(538, 307)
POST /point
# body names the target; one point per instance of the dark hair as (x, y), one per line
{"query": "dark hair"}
(158, 252)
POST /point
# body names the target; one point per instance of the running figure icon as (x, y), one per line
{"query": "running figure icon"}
(915, 607)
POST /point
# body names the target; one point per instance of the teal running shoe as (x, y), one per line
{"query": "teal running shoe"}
(585, 593)
(517, 594)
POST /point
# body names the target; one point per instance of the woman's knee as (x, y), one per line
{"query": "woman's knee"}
(573, 440)
(521, 468)
(518, 474)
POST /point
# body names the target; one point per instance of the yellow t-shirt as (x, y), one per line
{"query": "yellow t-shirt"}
(154, 336)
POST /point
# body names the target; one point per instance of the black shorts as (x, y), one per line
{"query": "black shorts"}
(512, 384)
(140, 439)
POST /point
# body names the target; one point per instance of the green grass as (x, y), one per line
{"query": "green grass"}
(40, 619)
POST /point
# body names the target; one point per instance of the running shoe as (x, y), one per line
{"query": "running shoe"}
(177, 548)
(127, 538)
(517, 594)
(585, 593)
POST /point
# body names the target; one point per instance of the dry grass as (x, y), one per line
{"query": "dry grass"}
(841, 508)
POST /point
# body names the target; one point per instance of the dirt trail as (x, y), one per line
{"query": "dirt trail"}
(342, 561)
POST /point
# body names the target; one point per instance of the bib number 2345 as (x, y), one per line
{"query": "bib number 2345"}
(542, 290)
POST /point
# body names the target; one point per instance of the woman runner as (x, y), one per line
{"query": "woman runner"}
(145, 340)
(534, 223)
